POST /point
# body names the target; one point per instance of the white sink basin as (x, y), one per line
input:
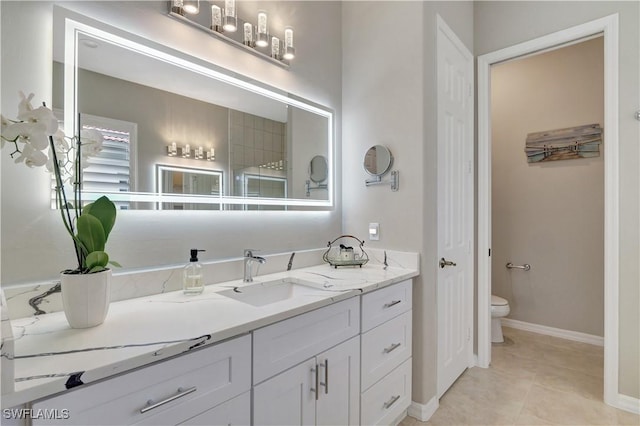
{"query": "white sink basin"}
(266, 293)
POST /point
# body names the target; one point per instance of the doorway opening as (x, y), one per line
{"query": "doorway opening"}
(608, 28)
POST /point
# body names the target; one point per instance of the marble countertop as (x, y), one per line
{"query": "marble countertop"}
(49, 357)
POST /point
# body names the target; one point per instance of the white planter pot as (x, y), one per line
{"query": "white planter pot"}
(85, 298)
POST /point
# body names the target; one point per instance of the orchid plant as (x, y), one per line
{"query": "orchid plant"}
(37, 141)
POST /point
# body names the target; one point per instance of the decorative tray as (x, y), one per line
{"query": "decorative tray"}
(345, 255)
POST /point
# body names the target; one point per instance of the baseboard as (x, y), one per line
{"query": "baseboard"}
(423, 412)
(627, 403)
(555, 332)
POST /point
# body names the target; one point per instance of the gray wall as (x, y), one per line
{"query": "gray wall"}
(548, 214)
(34, 243)
(389, 87)
(502, 24)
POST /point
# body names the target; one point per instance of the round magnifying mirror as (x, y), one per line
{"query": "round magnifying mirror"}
(378, 160)
(318, 169)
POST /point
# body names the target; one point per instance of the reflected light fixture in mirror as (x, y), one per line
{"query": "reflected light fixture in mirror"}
(191, 6)
(230, 18)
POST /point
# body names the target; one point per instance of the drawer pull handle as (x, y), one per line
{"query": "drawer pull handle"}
(326, 376)
(392, 348)
(181, 392)
(316, 389)
(390, 304)
(391, 402)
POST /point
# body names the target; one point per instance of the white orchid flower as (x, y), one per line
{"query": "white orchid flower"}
(42, 115)
(27, 133)
(91, 142)
(32, 157)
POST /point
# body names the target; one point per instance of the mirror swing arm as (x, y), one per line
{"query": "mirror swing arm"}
(394, 181)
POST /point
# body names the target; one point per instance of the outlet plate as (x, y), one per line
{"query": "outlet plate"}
(374, 231)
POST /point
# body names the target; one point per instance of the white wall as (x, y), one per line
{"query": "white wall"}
(389, 86)
(548, 214)
(34, 243)
(502, 24)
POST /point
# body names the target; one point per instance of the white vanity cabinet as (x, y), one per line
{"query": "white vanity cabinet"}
(386, 354)
(193, 388)
(317, 372)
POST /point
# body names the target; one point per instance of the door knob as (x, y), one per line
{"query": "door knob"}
(444, 262)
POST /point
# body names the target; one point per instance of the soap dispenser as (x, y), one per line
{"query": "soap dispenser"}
(192, 275)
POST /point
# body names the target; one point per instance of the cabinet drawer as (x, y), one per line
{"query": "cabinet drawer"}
(384, 348)
(236, 412)
(217, 374)
(289, 342)
(385, 401)
(382, 305)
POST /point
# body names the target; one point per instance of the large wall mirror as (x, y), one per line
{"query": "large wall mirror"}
(166, 115)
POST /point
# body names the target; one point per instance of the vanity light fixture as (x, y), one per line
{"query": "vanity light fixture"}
(177, 7)
(230, 18)
(186, 151)
(199, 153)
(262, 38)
(172, 150)
(225, 23)
(216, 18)
(248, 34)
(289, 50)
(210, 155)
(191, 6)
(275, 48)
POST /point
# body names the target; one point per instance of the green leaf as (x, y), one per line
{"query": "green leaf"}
(114, 263)
(97, 269)
(97, 259)
(105, 211)
(91, 233)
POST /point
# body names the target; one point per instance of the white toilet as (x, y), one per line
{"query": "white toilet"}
(499, 309)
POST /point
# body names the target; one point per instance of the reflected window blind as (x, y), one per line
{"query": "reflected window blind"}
(110, 170)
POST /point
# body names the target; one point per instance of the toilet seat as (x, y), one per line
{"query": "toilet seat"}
(498, 301)
(499, 307)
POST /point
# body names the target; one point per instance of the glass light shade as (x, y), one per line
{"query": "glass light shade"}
(248, 34)
(275, 47)
(216, 18)
(262, 38)
(176, 7)
(186, 152)
(289, 50)
(230, 18)
(192, 6)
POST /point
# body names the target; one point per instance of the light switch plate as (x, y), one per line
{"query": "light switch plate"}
(374, 231)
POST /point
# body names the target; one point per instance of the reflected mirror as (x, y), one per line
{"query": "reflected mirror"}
(184, 127)
(186, 185)
(378, 160)
(318, 169)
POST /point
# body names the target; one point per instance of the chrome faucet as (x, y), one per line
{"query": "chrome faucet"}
(249, 258)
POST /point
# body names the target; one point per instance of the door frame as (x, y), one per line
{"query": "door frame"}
(609, 27)
(444, 30)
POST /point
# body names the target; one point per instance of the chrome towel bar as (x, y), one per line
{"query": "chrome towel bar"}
(525, 267)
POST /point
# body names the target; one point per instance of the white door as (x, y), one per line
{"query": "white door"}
(288, 398)
(339, 399)
(455, 207)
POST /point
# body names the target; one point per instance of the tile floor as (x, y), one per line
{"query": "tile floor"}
(533, 380)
